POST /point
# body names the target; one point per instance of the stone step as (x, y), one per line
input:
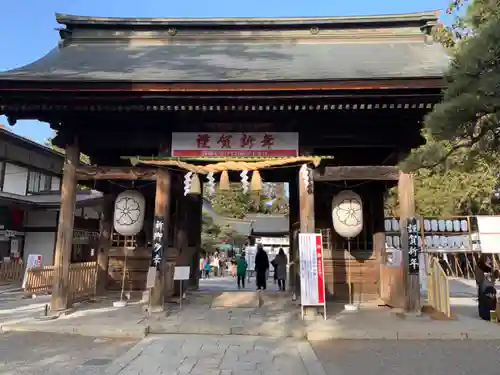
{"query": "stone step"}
(249, 299)
(236, 299)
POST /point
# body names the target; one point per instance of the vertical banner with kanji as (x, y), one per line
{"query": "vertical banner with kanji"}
(158, 232)
(312, 282)
(413, 248)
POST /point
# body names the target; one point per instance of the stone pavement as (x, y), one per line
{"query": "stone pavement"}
(16, 309)
(212, 313)
(217, 355)
(51, 354)
(409, 357)
(374, 323)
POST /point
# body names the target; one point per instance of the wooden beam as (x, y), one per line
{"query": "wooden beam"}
(91, 172)
(220, 87)
(375, 173)
(64, 240)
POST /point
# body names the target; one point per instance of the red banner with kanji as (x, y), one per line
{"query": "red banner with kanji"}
(235, 144)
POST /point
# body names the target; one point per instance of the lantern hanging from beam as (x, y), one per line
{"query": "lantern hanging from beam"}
(347, 218)
(128, 217)
(347, 214)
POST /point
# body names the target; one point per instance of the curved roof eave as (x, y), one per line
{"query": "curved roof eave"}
(68, 19)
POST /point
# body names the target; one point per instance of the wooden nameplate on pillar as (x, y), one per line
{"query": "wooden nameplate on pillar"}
(160, 238)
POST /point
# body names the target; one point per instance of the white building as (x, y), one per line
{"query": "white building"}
(30, 182)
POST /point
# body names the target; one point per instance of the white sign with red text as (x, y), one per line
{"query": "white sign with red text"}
(235, 144)
(312, 281)
(34, 260)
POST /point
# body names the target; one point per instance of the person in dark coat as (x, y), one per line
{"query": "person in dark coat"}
(487, 299)
(261, 267)
(281, 262)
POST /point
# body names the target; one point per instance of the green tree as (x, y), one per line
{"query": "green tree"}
(213, 235)
(235, 203)
(467, 117)
(455, 171)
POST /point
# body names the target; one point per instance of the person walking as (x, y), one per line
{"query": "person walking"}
(275, 270)
(202, 267)
(207, 268)
(261, 267)
(281, 262)
(215, 265)
(233, 267)
(241, 270)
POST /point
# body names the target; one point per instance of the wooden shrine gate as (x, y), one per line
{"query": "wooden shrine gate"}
(122, 90)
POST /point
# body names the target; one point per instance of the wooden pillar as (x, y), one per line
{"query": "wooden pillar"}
(406, 197)
(294, 223)
(306, 200)
(181, 234)
(195, 222)
(64, 240)
(105, 231)
(377, 212)
(162, 209)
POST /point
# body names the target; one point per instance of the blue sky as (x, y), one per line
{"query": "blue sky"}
(27, 26)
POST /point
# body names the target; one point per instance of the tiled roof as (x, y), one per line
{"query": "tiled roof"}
(272, 224)
(240, 50)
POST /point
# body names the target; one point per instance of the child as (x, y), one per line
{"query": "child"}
(241, 270)
(207, 269)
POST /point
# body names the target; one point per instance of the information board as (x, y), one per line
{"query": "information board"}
(312, 282)
(181, 272)
(489, 234)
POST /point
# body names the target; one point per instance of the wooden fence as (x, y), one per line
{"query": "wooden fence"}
(11, 272)
(438, 288)
(82, 280)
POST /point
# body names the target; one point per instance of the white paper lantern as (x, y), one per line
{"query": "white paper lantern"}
(427, 225)
(347, 214)
(441, 225)
(387, 225)
(129, 211)
(395, 225)
(449, 225)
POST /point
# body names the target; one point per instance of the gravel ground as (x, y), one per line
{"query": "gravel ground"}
(52, 354)
(404, 357)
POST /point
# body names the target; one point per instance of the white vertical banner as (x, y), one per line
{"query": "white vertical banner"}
(312, 281)
(34, 260)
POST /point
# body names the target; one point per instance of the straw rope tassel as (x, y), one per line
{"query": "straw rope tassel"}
(256, 181)
(195, 185)
(224, 181)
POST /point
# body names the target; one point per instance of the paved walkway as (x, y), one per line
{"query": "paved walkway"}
(228, 283)
(217, 355)
(34, 353)
(388, 357)
(14, 308)
(275, 318)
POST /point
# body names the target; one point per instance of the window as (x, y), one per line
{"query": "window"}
(38, 182)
